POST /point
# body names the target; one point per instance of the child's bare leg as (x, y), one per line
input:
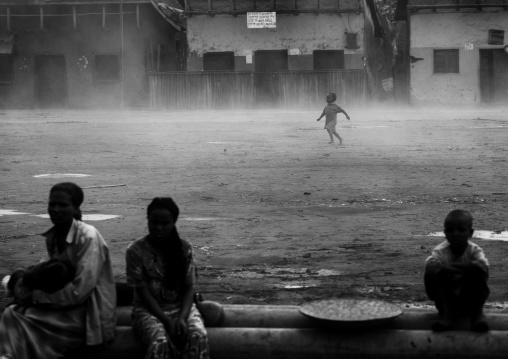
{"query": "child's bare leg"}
(337, 135)
(445, 321)
(330, 133)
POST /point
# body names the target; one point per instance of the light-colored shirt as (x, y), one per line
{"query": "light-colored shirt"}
(442, 254)
(93, 284)
(331, 110)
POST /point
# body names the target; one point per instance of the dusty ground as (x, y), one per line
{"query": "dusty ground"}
(275, 213)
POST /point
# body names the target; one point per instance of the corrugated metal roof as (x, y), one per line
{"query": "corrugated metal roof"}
(67, 2)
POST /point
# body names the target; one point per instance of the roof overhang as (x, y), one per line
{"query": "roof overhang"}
(171, 13)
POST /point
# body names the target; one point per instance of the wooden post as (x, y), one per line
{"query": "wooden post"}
(209, 5)
(232, 5)
(273, 4)
(408, 54)
(41, 16)
(187, 5)
(104, 18)
(158, 57)
(138, 19)
(8, 18)
(74, 18)
(121, 55)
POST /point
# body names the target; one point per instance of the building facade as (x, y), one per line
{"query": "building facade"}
(276, 46)
(457, 52)
(83, 54)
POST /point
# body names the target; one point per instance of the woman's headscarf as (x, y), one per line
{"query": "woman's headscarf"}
(173, 255)
(75, 193)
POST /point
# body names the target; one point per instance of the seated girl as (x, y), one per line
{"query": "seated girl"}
(161, 269)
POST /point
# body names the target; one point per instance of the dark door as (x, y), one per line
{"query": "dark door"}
(493, 76)
(51, 81)
(267, 64)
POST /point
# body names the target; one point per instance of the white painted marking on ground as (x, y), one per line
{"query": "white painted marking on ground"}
(88, 217)
(61, 175)
(221, 142)
(200, 219)
(10, 212)
(481, 234)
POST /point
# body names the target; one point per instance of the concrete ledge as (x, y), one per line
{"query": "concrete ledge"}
(278, 332)
(280, 343)
(274, 316)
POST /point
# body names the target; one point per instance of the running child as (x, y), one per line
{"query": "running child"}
(456, 275)
(330, 111)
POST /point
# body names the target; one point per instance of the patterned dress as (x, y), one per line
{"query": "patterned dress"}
(145, 267)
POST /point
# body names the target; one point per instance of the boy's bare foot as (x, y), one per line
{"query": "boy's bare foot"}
(331, 142)
(442, 326)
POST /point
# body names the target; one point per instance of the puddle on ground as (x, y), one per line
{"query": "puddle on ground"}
(285, 273)
(88, 217)
(61, 175)
(10, 212)
(295, 285)
(481, 234)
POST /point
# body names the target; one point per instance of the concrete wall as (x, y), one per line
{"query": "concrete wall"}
(305, 32)
(451, 31)
(79, 47)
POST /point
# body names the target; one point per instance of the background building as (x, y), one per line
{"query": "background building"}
(79, 54)
(456, 50)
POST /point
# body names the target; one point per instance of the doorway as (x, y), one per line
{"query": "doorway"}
(493, 75)
(50, 81)
(267, 64)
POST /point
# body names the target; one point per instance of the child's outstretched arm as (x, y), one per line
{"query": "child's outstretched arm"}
(320, 117)
(345, 113)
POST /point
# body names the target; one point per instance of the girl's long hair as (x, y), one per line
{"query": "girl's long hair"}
(172, 249)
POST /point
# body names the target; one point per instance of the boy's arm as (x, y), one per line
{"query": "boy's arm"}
(344, 112)
(320, 117)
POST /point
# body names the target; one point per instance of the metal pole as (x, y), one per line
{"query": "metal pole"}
(121, 55)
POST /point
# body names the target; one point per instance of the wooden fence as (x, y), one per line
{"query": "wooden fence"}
(234, 90)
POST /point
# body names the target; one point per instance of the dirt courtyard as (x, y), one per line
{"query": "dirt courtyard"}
(276, 215)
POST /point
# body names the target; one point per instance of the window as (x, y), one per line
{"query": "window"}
(328, 59)
(219, 61)
(106, 68)
(6, 69)
(446, 61)
(166, 61)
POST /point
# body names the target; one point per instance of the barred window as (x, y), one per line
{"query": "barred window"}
(446, 61)
(106, 68)
(328, 59)
(219, 61)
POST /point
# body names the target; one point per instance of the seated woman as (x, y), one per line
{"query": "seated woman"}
(44, 325)
(161, 269)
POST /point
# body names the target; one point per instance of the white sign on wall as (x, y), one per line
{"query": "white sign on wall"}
(294, 51)
(469, 46)
(260, 20)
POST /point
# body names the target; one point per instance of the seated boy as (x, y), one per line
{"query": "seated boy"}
(456, 275)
